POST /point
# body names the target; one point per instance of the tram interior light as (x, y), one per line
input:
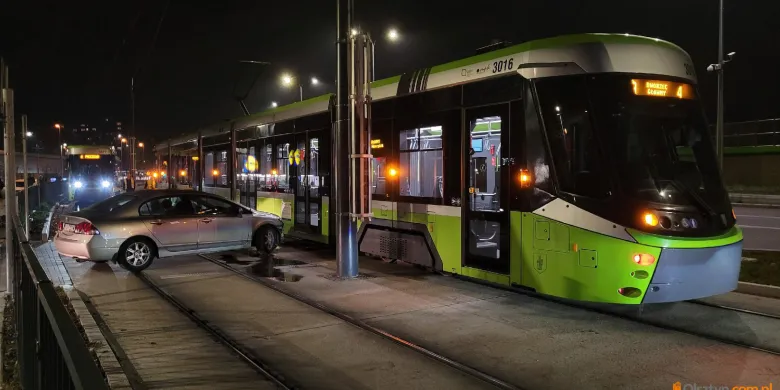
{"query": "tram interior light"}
(650, 219)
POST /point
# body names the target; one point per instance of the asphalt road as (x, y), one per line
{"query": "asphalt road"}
(761, 227)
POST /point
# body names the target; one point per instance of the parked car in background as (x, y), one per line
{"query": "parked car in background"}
(136, 227)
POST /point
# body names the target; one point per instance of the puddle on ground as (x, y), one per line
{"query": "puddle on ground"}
(267, 267)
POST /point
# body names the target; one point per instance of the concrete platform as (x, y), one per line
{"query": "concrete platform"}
(520, 339)
(164, 348)
(316, 350)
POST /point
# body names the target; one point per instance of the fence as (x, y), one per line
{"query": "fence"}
(753, 133)
(51, 352)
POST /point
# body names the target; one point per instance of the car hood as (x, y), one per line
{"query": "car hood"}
(265, 214)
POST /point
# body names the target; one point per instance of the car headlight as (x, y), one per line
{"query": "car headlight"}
(105, 183)
(78, 184)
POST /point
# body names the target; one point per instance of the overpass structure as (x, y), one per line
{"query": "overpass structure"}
(44, 164)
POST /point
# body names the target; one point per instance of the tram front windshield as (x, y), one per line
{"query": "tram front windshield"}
(648, 133)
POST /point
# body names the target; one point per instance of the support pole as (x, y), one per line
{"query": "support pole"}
(200, 164)
(346, 228)
(719, 120)
(171, 180)
(232, 164)
(26, 184)
(10, 176)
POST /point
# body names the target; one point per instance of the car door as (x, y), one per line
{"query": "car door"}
(226, 222)
(172, 222)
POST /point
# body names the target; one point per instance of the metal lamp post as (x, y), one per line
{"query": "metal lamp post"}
(719, 69)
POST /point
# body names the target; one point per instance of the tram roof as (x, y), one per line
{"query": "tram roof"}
(567, 54)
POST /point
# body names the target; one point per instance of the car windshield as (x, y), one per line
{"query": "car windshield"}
(111, 204)
(651, 130)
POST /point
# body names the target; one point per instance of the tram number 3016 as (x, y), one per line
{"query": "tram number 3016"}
(500, 66)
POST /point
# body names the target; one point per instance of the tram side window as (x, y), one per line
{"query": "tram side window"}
(564, 106)
(221, 167)
(282, 166)
(266, 160)
(421, 167)
(209, 168)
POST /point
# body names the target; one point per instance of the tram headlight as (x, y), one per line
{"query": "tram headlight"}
(643, 259)
(105, 183)
(650, 219)
(78, 184)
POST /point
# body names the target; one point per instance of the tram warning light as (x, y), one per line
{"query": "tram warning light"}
(525, 178)
(273, 172)
(650, 219)
(643, 259)
(392, 172)
(183, 173)
(215, 172)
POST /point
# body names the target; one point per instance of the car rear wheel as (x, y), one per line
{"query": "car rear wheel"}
(137, 254)
(266, 239)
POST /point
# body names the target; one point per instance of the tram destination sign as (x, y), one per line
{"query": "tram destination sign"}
(660, 88)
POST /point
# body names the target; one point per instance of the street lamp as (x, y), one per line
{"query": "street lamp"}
(141, 145)
(289, 81)
(59, 142)
(392, 35)
(719, 69)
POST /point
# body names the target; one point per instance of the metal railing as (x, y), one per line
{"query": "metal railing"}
(51, 352)
(752, 133)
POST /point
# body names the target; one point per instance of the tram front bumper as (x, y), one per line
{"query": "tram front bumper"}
(684, 274)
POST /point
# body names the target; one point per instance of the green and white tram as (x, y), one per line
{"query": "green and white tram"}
(578, 166)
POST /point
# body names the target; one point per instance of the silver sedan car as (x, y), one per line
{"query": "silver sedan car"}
(135, 227)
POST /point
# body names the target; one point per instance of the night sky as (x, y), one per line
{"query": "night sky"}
(72, 61)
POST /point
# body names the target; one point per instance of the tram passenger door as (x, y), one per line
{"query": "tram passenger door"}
(486, 211)
(308, 199)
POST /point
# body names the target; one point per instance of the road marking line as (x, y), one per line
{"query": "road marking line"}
(757, 216)
(759, 227)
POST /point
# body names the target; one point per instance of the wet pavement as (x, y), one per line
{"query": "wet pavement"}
(519, 339)
(164, 348)
(525, 340)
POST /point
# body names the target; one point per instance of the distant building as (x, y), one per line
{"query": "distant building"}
(102, 132)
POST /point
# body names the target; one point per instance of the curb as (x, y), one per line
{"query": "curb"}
(117, 379)
(761, 290)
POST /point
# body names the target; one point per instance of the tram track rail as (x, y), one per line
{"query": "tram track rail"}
(237, 349)
(628, 317)
(656, 324)
(735, 309)
(497, 382)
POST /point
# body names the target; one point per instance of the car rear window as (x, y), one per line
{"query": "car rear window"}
(111, 204)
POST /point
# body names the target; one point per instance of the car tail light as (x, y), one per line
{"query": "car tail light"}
(59, 225)
(86, 228)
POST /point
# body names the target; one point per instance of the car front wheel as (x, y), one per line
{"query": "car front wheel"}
(137, 254)
(266, 239)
